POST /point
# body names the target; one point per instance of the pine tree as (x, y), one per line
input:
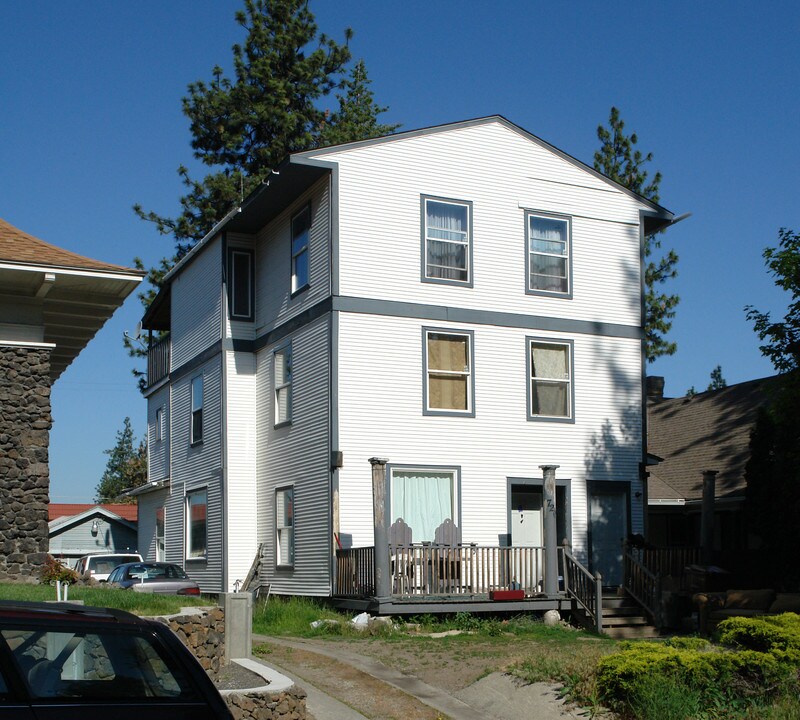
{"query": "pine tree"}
(717, 381)
(126, 467)
(357, 116)
(619, 160)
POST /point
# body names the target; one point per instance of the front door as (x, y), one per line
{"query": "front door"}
(608, 518)
(526, 532)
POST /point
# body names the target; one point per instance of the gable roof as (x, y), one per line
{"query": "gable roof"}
(67, 521)
(127, 511)
(709, 431)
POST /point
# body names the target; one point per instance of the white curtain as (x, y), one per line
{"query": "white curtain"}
(447, 237)
(423, 499)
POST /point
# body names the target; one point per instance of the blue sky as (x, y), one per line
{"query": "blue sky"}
(91, 123)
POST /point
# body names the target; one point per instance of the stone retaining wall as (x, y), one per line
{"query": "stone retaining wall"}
(25, 423)
(286, 705)
(203, 632)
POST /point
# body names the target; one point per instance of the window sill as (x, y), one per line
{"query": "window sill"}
(551, 419)
(299, 290)
(196, 443)
(284, 567)
(445, 281)
(449, 413)
(285, 423)
(196, 559)
(549, 293)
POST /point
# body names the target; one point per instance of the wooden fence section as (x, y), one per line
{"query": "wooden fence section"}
(433, 570)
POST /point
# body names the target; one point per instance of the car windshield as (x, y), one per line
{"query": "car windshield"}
(107, 563)
(145, 571)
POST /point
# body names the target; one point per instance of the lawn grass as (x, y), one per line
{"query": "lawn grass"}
(294, 615)
(138, 603)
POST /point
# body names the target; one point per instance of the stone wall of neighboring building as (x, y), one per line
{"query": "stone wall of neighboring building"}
(203, 631)
(25, 423)
(288, 704)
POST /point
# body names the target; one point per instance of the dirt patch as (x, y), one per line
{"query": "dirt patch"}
(369, 696)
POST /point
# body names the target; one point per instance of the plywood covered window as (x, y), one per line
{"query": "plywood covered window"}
(448, 359)
(447, 241)
(284, 525)
(550, 370)
(548, 254)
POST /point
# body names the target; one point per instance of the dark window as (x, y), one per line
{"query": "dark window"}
(240, 283)
(301, 224)
(197, 409)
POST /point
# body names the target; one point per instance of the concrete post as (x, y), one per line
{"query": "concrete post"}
(707, 516)
(380, 491)
(238, 624)
(550, 532)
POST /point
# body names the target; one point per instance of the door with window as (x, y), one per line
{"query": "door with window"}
(608, 526)
(525, 566)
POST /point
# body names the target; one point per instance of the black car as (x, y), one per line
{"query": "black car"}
(63, 661)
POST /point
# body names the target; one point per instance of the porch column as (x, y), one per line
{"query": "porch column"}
(707, 516)
(550, 532)
(383, 573)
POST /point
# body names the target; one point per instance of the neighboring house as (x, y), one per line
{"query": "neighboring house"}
(707, 431)
(464, 301)
(52, 302)
(77, 530)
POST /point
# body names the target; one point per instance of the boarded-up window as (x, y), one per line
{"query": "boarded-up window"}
(449, 373)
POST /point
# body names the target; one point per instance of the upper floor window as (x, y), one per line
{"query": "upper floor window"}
(197, 409)
(301, 224)
(241, 290)
(282, 371)
(448, 370)
(548, 256)
(196, 524)
(447, 241)
(550, 376)
(159, 424)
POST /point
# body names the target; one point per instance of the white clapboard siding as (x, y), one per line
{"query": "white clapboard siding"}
(199, 466)
(148, 504)
(158, 450)
(240, 486)
(502, 173)
(196, 322)
(298, 455)
(380, 391)
(274, 301)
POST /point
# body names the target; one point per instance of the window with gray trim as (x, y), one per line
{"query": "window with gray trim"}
(550, 374)
(197, 410)
(548, 254)
(447, 239)
(301, 225)
(425, 499)
(159, 429)
(282, 376)
(284, 526)
(241, 290)
(448, 372)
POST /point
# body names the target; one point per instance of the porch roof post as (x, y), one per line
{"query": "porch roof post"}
(550, 532)
(383, 580)
(707, 516)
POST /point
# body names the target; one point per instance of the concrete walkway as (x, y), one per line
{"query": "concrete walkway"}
(496, 697)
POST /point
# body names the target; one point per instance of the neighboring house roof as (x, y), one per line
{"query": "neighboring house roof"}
(55, 298)
(67, 521)
(127, 511)
(300, 169)
(708, 431)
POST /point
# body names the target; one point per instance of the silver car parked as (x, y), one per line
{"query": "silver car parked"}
(153, 577)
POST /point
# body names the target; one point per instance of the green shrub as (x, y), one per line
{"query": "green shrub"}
(656, 698)
(54, 570)
(764, 634)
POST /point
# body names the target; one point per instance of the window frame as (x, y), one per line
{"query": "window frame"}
(232, 280)
(296, 287)
(159, 424)
(188, 534)
(426, 409)
(285, 349)
(455, 470)
(567, 219)
(162, 509)
(196, 438)
(292, 550)
(570, 345)
(424, 277)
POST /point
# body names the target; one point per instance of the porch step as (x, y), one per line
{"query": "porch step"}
(623, 618)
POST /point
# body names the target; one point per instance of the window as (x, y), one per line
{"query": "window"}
(160, 534)
(196, 525)
(159, 424)
(447, 246)
(548, 254)
(423, 498)
(448, 363)
(550, 372)
(301, 223)
(240, 283)
(284, 524)
(197, 410)
(282, 367)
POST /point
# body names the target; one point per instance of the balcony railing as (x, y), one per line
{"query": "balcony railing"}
(158, 356)
(432, 570)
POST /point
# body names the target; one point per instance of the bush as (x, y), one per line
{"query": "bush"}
(53, 570)
(763, 634)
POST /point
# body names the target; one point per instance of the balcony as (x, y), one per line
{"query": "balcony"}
(158, 358)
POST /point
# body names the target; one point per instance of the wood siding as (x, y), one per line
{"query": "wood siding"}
(502, 173)
(148, 504)
(380, 414)
(299, 455)
(78, 540)
(196, 320)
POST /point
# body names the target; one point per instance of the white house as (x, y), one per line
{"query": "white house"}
(465, 301)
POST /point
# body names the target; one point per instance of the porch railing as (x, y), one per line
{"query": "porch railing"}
(665, 561)
(642, 584)
(432, 570)
(158, 360)
(586, 589)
